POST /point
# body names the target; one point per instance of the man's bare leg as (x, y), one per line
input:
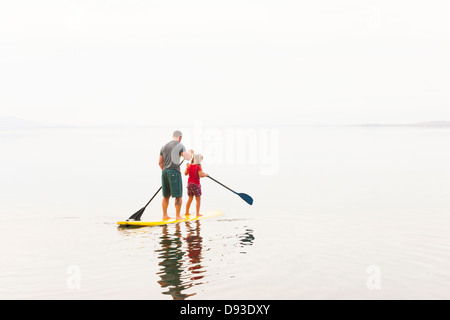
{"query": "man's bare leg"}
(165, 204)
(178, 202)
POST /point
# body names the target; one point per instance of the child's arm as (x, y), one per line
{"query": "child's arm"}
(201, 174)
(187, 170)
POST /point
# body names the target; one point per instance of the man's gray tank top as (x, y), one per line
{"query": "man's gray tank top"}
(171, 153)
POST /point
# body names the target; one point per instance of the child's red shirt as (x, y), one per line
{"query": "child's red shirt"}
(193, 173)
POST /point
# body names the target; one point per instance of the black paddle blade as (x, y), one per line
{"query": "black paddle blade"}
(137, 215)
(246, 198)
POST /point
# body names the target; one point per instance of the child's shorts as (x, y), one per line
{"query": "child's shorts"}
(194, 190)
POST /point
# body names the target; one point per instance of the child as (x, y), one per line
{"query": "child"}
(195, 172)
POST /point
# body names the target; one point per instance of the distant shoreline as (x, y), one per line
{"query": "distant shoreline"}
(428, 124)
(14, 123)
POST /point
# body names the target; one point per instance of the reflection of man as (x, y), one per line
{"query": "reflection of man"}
(169, 162)
(175, 263)
(171, 256)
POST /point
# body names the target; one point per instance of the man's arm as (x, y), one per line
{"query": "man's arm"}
(187, 154)
(161, 163)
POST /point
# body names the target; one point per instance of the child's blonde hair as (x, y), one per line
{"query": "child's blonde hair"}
(197, 158)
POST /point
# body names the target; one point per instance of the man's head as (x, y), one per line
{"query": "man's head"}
(177, 135)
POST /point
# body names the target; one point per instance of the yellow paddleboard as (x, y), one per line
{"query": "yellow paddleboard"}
(192, 217)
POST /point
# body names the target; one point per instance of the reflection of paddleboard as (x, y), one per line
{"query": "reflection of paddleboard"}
(192, 217)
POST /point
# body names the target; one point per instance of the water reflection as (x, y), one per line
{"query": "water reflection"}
(180, 250)
(180, 266)
(247, 238)
(194, 249)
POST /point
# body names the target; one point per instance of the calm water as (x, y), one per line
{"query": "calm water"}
(339, 213)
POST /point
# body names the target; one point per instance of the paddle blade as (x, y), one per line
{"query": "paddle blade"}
(246, 198)
(137, 215)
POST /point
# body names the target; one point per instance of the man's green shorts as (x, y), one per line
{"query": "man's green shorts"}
(172, 185)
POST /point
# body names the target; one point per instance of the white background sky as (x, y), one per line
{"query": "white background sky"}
(234, 61)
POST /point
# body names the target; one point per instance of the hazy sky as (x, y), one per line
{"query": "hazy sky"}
(267, 62)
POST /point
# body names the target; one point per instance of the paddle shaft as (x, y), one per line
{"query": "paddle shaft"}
(138, 214)
(221, 184)
(153, 197)
(243, 196)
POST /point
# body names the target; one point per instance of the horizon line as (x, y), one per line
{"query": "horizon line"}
(17, 122)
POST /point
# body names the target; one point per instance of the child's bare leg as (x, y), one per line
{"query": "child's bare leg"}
(198, 200)
(188, 204)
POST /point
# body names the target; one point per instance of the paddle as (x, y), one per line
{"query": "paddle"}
(137, 215)
(244, 196)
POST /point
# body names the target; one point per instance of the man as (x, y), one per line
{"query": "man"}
(169, 161)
